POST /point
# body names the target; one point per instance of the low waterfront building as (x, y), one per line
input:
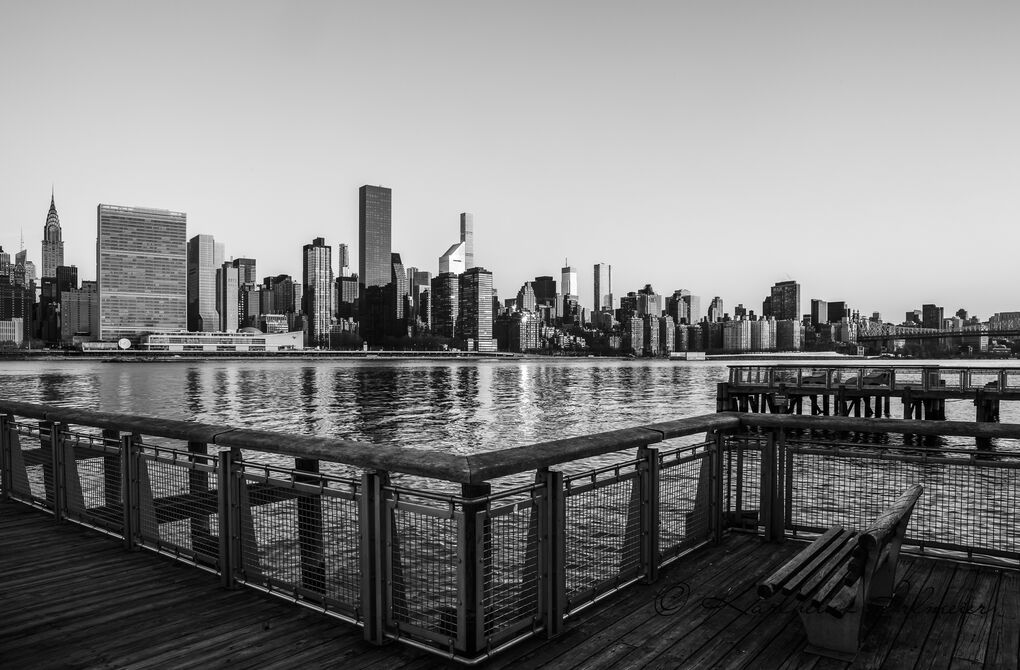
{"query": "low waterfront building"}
(12, 331)
(240, 342)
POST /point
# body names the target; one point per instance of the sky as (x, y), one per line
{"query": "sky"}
(868, 150)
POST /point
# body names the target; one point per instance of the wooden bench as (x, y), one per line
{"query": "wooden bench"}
(841, 572)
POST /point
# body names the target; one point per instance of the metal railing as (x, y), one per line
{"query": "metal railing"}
(433, 557)
(877, 377)
(418, 546)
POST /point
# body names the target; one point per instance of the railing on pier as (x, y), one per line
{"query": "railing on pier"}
(465, 555)
(877, 377)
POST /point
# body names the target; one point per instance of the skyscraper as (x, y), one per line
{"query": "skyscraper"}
(142, 268)
(445, 296)
(245, 270)
(397, 299)
(227, 276)
(819, 312)
(205, 257)
(603, 297)
(52, 244)
(474, 320)
(715, 310)
(454, 260)
(568, 285)
(786, 301)
(374, 235)
(317, 272)
(467, 236)
(343, 255)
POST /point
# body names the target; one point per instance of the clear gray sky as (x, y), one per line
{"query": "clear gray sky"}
(869, 150)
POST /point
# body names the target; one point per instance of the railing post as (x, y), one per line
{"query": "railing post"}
(716, 460)
(129, 489)
(552, 554)
(650, 501)
(52, 479)
(772, 486)
(474, 568)
(779, 488)
(6, 460)
(373, 522)
(229, 520)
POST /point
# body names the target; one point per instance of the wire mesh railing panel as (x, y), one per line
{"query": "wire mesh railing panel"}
(511, 582)
(967, 505)
(300, 536)
(32, 456)
(423, 564)
(342, 550)
(742, 486)
(684, 504)
(176, 498)
(603, 532)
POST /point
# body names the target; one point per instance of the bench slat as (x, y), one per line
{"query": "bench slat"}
(842, 601)
(836, 576)
(816, 571)
(771, 585)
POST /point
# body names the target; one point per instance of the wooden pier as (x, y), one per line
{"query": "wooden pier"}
(95, 605)
(867, 391)
(130, 541)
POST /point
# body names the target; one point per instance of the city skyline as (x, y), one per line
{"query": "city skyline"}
(793, 141)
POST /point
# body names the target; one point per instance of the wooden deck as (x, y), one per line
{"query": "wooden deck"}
(70, 597)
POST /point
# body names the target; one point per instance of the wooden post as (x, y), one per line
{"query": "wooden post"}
(310, 534)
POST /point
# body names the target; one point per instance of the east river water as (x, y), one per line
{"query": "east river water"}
(460, 406)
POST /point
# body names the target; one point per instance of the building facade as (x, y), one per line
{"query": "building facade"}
(227, 287)
(375, 224)
(474, 319)
(786, 300)
(602, 299)
(317, 273)
(445, 296)
(141, 269)
(467, 236)
(205, 257)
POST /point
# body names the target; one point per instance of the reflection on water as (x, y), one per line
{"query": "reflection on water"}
(463, 406)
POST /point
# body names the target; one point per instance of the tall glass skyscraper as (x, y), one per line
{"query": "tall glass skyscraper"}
(318, 291)
(142, 267)
(603, 298)
(205, 257)
(474, 318)
(374, 235)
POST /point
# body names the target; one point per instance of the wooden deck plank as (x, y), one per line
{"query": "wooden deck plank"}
(614, 614)
(1004, 634)
(884, 629)
(103, 607)
(937, 651)
(978, 613)
(662, 615)
(915, 630)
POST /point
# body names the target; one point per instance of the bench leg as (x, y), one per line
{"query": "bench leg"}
(830, 636)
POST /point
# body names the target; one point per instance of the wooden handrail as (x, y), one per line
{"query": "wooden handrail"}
(465, 469)
(862, 425)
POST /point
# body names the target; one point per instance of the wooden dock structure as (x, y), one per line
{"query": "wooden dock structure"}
(94, 605)
(130, 541)
(866, 390)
